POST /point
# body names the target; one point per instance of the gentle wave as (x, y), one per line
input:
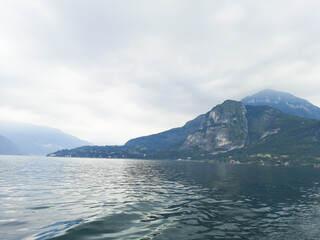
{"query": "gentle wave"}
(138, 199)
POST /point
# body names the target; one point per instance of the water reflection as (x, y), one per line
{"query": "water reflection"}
(135, 199)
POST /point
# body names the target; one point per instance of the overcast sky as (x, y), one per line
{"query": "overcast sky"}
(107, 71)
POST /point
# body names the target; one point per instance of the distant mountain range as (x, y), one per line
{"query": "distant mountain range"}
(28, 139)
(8, 147)
(285, 102)
(232, 132)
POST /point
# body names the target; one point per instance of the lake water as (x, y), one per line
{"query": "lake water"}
(64, 198)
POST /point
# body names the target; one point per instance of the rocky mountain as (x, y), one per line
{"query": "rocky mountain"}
(212, 130)
(31, 139)
(230, 131)
(285, 102)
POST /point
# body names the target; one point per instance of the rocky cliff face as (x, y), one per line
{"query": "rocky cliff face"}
(230, 130)
(224, 128)
(233, 128)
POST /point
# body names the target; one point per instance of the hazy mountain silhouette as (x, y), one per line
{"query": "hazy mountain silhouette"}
(285, 102)
(37, 140)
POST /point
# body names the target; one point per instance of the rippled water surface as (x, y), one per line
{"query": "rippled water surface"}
(61, 198)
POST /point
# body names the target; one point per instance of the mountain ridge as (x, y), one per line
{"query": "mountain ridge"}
(7, 147)
(285, 102)
(32, 139)
(229, 131)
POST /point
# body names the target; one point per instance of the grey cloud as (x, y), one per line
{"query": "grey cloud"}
(150, 65)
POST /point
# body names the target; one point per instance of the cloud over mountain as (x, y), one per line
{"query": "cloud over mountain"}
(105, 69)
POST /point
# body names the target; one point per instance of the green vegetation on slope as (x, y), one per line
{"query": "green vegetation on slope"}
(229, 132)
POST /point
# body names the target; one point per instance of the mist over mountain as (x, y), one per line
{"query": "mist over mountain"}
(230, 131)
(285, 102)
(8, 147)
(31, 139)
